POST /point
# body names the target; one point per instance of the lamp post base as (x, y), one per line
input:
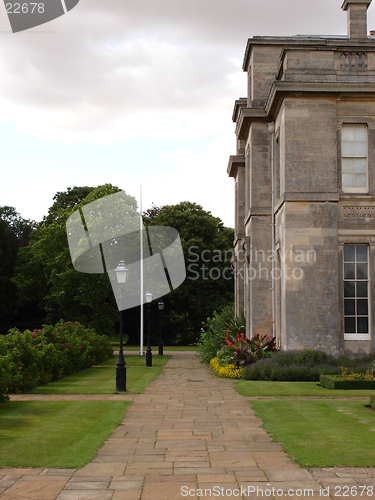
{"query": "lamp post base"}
(148, 357)
(161, 348)
(120, 373)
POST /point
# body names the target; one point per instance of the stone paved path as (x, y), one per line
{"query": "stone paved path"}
(188, 431)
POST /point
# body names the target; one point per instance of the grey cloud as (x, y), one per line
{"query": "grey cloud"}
(108, 60)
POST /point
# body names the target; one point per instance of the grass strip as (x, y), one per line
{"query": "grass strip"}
(100, 381)
(155, 349)
(321, 433)
(252, 388)
(136, 360)
(56, 434)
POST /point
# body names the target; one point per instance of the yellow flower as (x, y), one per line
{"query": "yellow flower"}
(354, 376)
(228, 371)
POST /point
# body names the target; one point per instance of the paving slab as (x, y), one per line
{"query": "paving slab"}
(35, 488)
(189, 434)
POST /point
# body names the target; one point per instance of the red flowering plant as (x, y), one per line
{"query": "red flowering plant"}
(246, 351)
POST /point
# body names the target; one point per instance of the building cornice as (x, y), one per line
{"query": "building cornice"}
(280, 90)
(234, 163)
(238, 105)
(308, 42)
(247, 116)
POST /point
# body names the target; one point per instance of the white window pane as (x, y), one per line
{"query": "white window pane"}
(360, 149)
(347, 165)
(347, 148)
(360, 165)
(360, 180)
(360, 133)
(347, 180)
(347, 133)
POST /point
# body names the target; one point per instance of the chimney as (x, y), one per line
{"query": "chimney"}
(357, 18)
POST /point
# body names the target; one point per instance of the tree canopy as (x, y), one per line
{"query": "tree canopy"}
(45, 273)
(15, 232)
(8, 259)
(209, 281)
(22, 228)
(49, 286)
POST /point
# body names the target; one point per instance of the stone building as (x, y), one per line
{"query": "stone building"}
(304, 172)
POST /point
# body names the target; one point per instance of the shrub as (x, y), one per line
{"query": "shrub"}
(213, 333)
(334, 382)
(228, 371)
(306, 365)
(225, 356)
(3, 388)
(246, 351)
(235, 325)
(30, 358)
(348, 380)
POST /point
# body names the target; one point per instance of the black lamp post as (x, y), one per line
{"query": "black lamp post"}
(161, 307)
(148, 352)
(121, 276)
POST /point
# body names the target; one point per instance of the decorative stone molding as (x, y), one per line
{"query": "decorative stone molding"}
(353, 61)
(245, 245)
(358, 212)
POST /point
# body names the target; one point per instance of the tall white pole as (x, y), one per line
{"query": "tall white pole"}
(271, 130)
(141, 275)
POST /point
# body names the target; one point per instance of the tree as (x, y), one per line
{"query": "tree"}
(15, 232)
(209, 282)
(8, 259)
(45, 272)
(22, 228)
(152, 212)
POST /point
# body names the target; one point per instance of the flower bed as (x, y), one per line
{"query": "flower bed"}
(228, 371)
(348, 380)
(303, 366)
(30, 359)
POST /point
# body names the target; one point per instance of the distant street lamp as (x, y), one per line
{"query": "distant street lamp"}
(121, 277)
(161, 307)
(148, 352)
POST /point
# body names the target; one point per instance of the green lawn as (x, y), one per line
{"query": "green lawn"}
(61, 434)
(321, 433)
(276, 389)
(155, 348)
(68, 434)
(101, 379)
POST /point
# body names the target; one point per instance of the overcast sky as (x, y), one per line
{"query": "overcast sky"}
(135, 92)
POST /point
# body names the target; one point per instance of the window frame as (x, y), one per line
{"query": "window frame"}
(357, 336)
(355, 189)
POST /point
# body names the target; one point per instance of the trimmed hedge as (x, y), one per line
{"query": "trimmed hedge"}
(30, 359)
(3, 396)
(331, 382)
(303, 366)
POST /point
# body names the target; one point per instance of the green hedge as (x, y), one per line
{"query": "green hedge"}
(306, 365)
(3, 396)
(30, 359)
(331, 382)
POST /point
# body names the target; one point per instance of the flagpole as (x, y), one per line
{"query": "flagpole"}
(141, 275)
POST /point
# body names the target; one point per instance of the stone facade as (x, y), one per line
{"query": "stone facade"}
(304, 172)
